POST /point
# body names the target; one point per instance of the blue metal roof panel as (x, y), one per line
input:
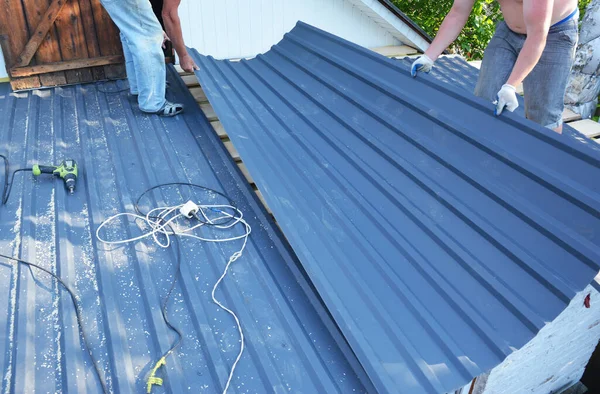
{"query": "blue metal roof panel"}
(457, 71)
(440, 237)
(292, 342)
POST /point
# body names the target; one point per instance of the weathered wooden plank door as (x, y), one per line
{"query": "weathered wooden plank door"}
(58, 42)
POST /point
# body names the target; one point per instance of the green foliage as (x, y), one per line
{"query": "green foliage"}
(429, 14)
(582, 6)
(478, 32)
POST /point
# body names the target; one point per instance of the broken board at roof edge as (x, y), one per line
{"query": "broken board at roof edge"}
(440, 237)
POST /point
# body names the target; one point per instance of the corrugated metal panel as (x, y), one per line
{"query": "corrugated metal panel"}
(292, 344)
(242, 28)
(441, 237)
(456, 71)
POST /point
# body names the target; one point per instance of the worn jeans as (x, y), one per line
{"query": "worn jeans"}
(141, 35)
(546, 85)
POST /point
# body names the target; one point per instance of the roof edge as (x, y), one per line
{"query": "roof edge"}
(405, 19)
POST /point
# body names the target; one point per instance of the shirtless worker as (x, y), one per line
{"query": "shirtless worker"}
(534, 45)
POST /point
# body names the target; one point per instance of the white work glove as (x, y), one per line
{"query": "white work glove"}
(506, 98)
(422, 64)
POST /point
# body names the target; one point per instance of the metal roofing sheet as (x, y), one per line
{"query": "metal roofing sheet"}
(441, 237)
(456, 71)
(292, 343)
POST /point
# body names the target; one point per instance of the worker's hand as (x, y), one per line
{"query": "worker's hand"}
(506, 98)
(187, 64)
(422, 64)
(165, 39)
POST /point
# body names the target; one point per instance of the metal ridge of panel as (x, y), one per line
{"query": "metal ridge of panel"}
(292, 342)
(440, 237)
(457, 71)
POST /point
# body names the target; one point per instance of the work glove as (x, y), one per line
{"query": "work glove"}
(423, 64)
(506, 98)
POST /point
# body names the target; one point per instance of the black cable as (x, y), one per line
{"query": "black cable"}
(177, 343)
(8, 187)
(192, 185)
(176, 275)
(77, 313)
(99, 85)
(6, 170)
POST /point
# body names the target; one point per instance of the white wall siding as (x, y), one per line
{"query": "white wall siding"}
(228, 29)
(387, 20)
(3, 73)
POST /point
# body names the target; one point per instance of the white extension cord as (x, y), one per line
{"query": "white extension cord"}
(166, 221)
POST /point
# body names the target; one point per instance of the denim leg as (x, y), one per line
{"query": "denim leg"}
(143, 34)
(133, 85)
(546, 85)
(499, 59)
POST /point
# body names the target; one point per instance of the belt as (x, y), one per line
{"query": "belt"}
(568, 18)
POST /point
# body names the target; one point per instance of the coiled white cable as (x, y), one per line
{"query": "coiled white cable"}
(166, 222)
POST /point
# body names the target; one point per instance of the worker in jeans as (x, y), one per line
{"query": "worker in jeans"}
(142, 37)
(534, 45)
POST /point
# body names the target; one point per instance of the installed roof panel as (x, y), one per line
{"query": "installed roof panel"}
(441, 238)
(292, 344)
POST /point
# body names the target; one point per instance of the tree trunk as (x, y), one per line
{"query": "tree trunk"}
(584, 85)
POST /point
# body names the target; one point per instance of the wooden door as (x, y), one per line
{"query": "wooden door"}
(58, 42)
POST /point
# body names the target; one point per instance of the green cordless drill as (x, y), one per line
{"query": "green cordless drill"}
(67, 170)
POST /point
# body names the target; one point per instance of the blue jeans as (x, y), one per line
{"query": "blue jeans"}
(546, 85)
(141, 35)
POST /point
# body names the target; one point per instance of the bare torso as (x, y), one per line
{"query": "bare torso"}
(513, 13)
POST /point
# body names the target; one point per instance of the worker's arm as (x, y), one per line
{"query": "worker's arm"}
(453, 24)
(538, 17)
(173, 27)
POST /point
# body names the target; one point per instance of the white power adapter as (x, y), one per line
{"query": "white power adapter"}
(189, 209)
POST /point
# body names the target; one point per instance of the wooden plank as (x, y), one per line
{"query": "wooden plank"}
(181, 71)
(17, 84)
(98, 73)
(13, 33)
(587, 127)
(263, 201)
(115, 71)
(53, 79)
(68, 65)
(199, 95)
(25, 83)
(232, 151)
(107, 34)
(190, 80)
(219, 129)
(48, 51)
(91, 39)
(570, 116)
(246, 173)
(395, 50)
(72, 41)
(40, 32)
(89, 28)
(209, 112)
